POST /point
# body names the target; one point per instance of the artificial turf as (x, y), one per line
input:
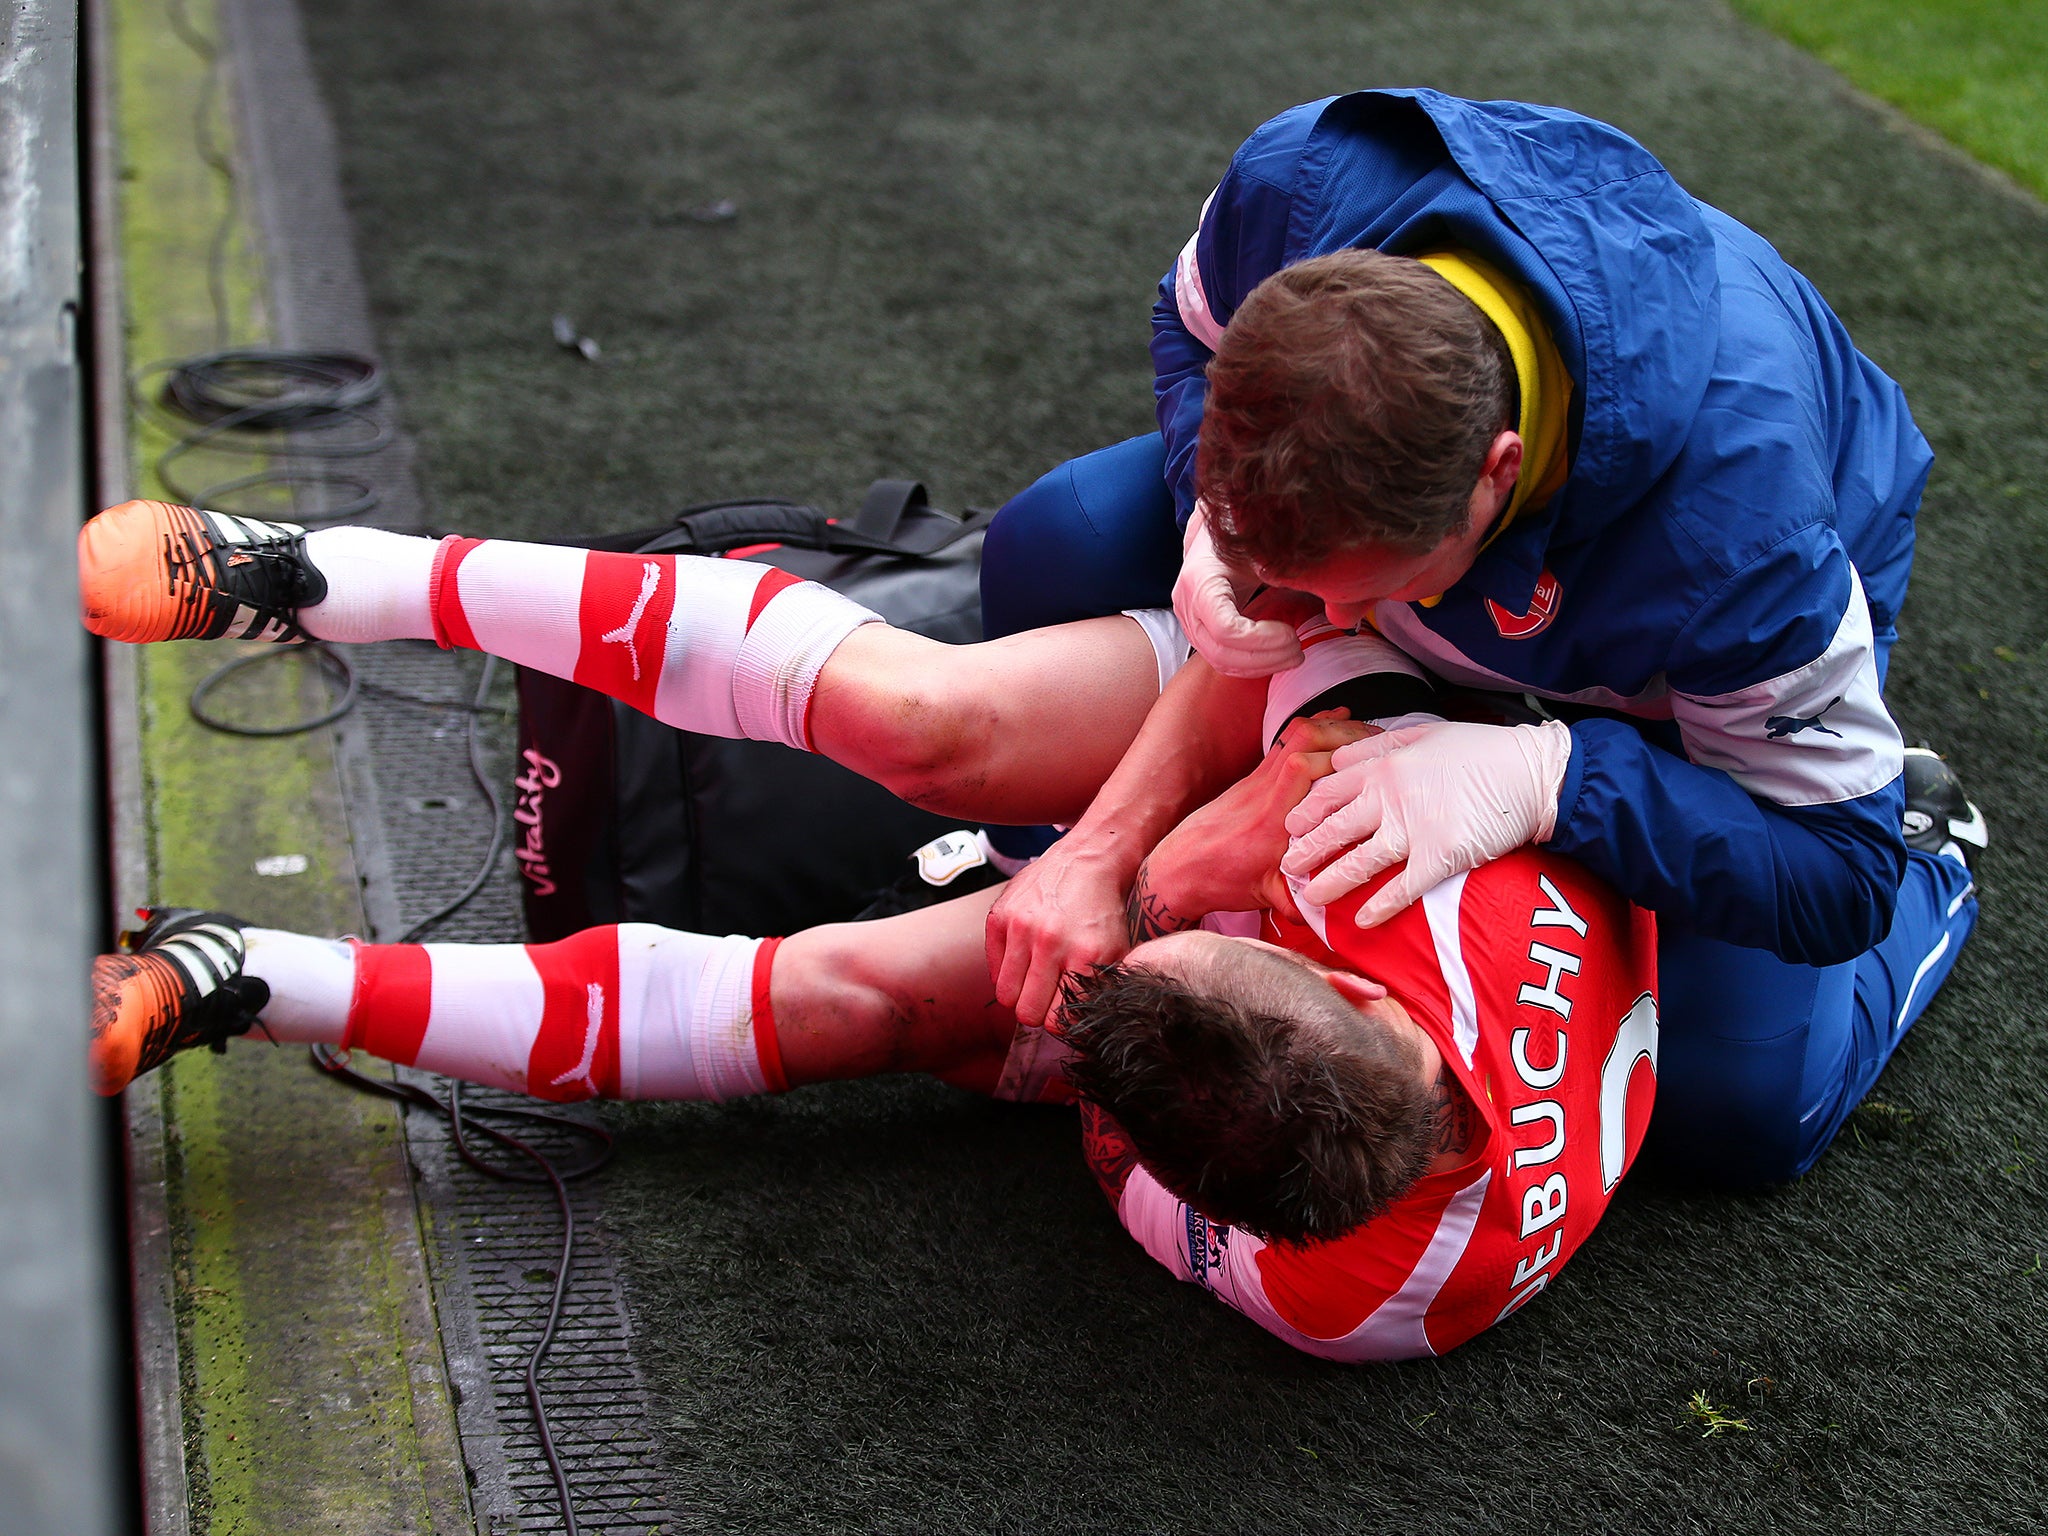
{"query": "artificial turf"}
(1974, 70)
(891, 1306)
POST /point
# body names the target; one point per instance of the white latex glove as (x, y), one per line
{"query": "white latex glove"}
(1444, 797)
(1208, 600)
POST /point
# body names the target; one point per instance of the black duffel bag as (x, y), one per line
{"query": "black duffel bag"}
(619, 818)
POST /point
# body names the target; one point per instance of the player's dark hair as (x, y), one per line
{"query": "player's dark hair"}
(1252, 1091)
(1352, 401)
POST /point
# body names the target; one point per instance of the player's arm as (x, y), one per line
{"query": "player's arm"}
(1109, 1150)
(1066, 910)
(1225, 857)
(1205, 734)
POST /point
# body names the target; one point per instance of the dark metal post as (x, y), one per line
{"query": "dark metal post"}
(60, 1430)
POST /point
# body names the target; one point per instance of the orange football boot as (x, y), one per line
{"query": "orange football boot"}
(176, 984)
(153, 570)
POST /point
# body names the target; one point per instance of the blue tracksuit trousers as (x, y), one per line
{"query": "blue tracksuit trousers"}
(1760, 1061)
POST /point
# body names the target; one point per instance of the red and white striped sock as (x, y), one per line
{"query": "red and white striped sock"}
(725, 647)
(627, 1012)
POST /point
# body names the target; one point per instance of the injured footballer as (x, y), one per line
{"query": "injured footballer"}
(1374, 1143)
(1361, 1012)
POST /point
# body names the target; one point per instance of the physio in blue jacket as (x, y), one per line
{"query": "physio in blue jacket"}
(1694, 539)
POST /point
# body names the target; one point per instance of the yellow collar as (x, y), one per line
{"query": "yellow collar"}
(1545, 386)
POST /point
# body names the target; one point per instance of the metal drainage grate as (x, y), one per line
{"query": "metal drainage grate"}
(419, 824)
(421, 828)
(493, 1249)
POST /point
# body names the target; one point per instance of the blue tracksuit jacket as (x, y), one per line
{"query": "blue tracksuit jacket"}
(1724, 565)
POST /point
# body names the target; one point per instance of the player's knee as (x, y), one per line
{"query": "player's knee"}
(842, 979)
(930, 737)
(857, 1003)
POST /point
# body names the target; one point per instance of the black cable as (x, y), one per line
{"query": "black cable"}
(336, 1064)
(238, 399)
(265, 389)
(244, 400)
(353, 685)
(343, 669)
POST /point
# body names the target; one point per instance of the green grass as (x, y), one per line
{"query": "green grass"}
(1975, 71)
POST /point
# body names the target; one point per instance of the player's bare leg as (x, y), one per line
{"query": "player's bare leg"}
(1021, 730)
(902, 994)
(723, 647)
(632, 1011)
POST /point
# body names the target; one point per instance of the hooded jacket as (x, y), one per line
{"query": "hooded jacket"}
(1710, 594)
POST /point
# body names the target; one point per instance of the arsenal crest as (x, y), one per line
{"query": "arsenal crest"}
(1542, 609)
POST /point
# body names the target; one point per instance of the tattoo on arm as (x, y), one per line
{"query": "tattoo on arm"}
(1111, 1157)
(1456, 1118)
(1146, 914)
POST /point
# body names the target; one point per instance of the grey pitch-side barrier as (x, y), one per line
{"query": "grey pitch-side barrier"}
(62, 1440)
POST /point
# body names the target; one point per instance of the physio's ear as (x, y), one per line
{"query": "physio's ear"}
(1503, 465)
(1356, 990)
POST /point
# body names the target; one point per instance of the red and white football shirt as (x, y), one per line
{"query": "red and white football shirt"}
(1538, 985)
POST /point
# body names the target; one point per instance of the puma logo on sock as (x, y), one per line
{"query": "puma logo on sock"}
(580, 1073)
(650, 582)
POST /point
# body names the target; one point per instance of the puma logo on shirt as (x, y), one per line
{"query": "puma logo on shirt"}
(1792, 725)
